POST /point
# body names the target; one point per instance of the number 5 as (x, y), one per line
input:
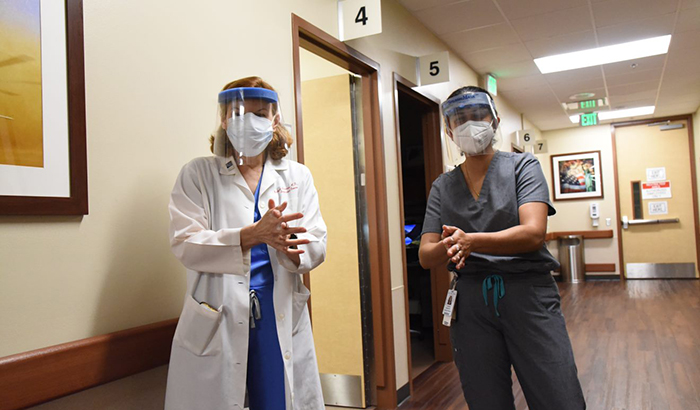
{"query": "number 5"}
(434, 69)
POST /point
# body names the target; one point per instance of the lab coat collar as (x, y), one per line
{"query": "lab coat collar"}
(228, 166)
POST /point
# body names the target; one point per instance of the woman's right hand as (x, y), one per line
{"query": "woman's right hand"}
(273, 229)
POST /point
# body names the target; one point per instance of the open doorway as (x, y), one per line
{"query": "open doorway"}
(338, 137)
(419, 152)
(420, 301)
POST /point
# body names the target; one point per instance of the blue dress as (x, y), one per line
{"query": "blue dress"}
(265, 380)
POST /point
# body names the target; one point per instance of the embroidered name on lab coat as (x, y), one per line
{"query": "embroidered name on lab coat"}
(287, 189)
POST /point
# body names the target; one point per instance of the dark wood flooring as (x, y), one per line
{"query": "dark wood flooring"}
(637, 347)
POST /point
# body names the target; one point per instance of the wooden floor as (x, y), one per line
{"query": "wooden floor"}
(637, 347)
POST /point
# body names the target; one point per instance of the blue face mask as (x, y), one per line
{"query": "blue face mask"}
(249, 133)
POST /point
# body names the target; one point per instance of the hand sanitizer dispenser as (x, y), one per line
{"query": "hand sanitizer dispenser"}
(595, 213)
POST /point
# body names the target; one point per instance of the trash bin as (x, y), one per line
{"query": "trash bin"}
(573, 266)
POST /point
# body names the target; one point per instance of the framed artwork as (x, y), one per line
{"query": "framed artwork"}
(577, 176)
(43, 158)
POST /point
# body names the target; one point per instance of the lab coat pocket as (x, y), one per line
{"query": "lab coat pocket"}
(196, 329)
(298, 305)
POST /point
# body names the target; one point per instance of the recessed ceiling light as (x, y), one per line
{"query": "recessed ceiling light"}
(604, 55)
(581, 96)
(614, 114)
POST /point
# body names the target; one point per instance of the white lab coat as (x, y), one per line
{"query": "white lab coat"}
(209, 205)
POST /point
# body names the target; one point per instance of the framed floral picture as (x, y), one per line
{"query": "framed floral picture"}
(43, 161)
(577, 176)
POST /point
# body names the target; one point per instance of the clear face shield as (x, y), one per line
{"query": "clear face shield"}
(472, 123)
(248, 117)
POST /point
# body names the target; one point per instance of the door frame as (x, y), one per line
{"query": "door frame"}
(693, 180)
(315, 40)
(432, 144)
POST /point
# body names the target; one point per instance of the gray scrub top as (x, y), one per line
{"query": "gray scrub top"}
(511, 180)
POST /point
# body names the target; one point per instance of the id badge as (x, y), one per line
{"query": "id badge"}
(448, 312)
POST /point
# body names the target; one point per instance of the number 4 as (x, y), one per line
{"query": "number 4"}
(361, 16)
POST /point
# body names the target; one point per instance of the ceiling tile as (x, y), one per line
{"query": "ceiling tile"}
(553, 24)
(666, 97)
(689, 4)
(643, 64)
(580, 74)
(565, 90)
(636, 30)
(483, 38)
(515, 69)
(684, 69)
(415, 5)
(633, 76)
(500, 56)
(682, 84)
(515, 9)
(688, 20)
(686, 39)
(555, 124)
(684, 61)
(517, 83)
(530, 97)
(453, 17)
(675, 109)
(612, 12)
(621, 104)
(636, 91)
(561, 44)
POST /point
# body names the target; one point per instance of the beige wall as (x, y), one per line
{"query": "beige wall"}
(575, 215)
(152, 73)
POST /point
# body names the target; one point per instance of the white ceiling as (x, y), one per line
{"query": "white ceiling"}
(502, 37)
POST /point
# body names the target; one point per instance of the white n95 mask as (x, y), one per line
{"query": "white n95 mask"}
(474, 137)
(249, 133)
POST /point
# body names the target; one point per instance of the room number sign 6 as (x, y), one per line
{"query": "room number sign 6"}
(359, 18)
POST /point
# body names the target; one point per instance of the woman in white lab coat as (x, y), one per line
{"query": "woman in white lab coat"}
(246, 224)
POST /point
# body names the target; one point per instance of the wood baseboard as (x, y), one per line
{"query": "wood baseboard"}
(600, 267)
(38, 376)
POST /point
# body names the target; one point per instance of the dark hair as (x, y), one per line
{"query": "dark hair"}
(281, 139)
(473, 89)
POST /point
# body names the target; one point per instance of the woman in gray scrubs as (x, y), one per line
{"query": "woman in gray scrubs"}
(487, 218)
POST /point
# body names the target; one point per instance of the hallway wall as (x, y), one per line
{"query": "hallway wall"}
(574, 215)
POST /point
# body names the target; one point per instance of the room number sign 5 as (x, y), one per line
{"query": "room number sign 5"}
(434, 68)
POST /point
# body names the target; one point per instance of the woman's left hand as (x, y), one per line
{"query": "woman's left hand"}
(458, 245)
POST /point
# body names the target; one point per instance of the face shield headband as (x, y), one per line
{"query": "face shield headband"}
(468, 107)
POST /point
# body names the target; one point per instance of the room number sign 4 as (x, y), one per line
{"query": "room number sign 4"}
(359, 18)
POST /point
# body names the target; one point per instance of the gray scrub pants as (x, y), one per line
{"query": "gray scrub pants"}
(529, 334)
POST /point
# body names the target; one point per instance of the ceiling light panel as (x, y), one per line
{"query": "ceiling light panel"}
(604, 55)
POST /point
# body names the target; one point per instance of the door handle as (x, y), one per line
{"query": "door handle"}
(626, 222)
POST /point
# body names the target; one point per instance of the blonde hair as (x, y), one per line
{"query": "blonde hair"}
(281, 138)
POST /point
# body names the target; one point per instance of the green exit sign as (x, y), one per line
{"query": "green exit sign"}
(491, 85)
(587, 104)
(589, 119)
